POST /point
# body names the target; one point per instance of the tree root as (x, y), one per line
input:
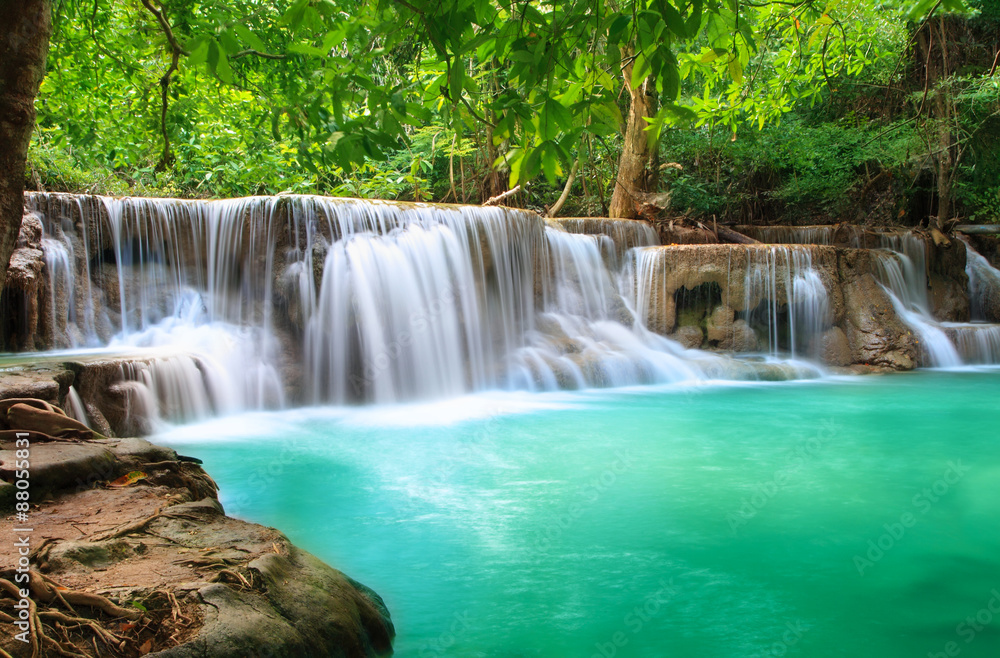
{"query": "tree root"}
(138, 526)
(101, 632)
(46, 590)
(128, 528)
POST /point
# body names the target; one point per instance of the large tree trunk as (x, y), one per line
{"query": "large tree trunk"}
(25, 26)
(634, 173)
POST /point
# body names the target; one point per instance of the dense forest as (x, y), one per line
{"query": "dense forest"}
(798, 112)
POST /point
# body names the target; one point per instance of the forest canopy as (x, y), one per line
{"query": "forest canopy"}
(743, 111)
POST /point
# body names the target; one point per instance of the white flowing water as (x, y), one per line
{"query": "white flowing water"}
(984, 286)
(784, 278)
(784, 299)
(265, 301)
(75, 406)
(902, 280)
(371, 301)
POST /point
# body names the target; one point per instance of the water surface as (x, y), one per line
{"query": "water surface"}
(853, 517)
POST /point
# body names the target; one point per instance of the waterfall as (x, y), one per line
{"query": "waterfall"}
(369, 301)
(619, 235)
(905, 282)
(61, 302)
(785, 281)
(984, 286)
(268, 301)
(748, 299)
(425, 311)
(75, 407)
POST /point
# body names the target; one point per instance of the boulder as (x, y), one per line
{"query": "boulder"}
(689, 336)
(834, 348)
(874, 331)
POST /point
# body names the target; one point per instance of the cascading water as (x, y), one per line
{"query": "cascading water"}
(258, 302)
(979, 342)
(984, 286)
(785, 282)
(906, 284)
(242, 303)
(619, 235)
(740, 299)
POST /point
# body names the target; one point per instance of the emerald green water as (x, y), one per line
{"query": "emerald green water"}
(718, 521)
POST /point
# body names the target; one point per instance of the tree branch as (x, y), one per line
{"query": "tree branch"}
(255, 53)
(175, 55)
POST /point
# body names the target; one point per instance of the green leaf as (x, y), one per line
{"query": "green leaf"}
(249, 38)
(640, 70)
(671, 79)
(694, 20)
(736, 70)
(551, 166)
(456, 79)
(673, 19)
(293, 17)
(305, 49)
(199, 52)
(555, 118)
(223, 70)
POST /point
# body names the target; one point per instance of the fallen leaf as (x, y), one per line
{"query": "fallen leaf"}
(146, 647)
(127, 480)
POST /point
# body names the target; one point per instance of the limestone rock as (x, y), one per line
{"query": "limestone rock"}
(720, 323)
(689, 336)
(59, 466)
(834, 349)
(875, 333)
(741, 338)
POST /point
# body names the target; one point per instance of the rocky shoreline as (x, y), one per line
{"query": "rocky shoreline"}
(149, 564)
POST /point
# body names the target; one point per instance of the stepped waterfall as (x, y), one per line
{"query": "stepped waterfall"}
(262, 302)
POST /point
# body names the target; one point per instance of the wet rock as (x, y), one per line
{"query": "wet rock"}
(875, 333)
(833, 348)
(741, 338)
(948, 281)
(689, 336)
(59, 466)
(686, 235)
(22, 297)
(43, 384)
(720, 324)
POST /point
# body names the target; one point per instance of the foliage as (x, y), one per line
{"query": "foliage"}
(794, 169)
(423, 99)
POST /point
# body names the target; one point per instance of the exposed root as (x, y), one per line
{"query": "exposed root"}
(45, 590)
(101, 632)
(128, 528)
(139, 526)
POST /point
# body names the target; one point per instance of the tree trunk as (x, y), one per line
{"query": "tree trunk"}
(633, 168)
(943, 163)
(24, 43)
